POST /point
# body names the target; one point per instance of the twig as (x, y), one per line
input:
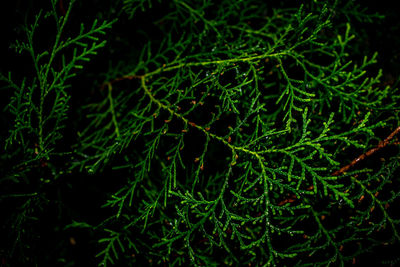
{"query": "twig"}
(126, 77)
(381, 145)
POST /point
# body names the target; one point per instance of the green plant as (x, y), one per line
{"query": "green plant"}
(236, 134)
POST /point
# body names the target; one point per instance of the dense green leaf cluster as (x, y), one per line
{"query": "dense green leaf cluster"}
(218, 128)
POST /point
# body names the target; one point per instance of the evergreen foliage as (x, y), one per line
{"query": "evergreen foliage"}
(209, 132)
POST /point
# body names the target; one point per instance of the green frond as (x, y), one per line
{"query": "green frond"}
(221, 133)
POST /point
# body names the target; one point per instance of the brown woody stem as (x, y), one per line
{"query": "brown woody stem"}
(381, 145)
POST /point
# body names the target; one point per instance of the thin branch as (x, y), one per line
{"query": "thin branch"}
(381, 145)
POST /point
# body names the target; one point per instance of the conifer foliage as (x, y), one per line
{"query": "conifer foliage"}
(221, 132)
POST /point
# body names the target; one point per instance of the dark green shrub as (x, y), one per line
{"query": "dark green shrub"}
(202, 133)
